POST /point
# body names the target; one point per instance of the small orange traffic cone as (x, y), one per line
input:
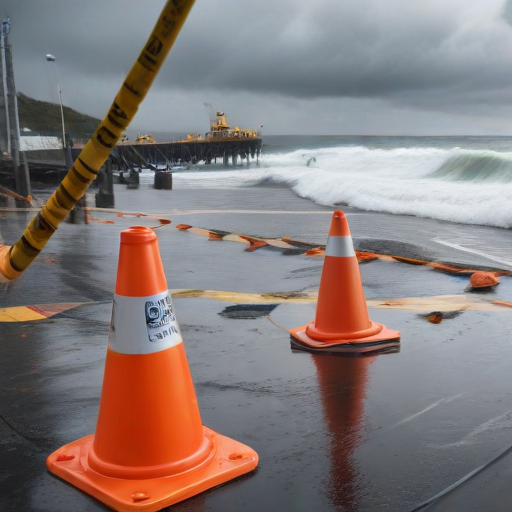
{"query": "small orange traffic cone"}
(150, 449)
(342, 323)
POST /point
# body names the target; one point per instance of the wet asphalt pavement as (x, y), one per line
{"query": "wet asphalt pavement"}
(379, 433)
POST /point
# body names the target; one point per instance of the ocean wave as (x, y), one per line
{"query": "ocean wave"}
(463, 186)
(477, 166)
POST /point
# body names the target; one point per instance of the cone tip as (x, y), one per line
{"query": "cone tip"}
(339, 224)
(137, 235)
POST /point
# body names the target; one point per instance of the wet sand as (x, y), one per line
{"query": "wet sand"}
(385, 432)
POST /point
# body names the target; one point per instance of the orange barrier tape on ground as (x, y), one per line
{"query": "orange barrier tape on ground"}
(254, 243)
(95, 219)
(93, 156)
(157, 217)
(312, 249)
(163, 222)
(410, 261)
(9, 193)
(448, 269)
(316, 251)
(503, 303)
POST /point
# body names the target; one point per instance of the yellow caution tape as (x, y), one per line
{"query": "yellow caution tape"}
(93, 156)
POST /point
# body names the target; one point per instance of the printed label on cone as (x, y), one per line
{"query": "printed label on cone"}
(143, 325)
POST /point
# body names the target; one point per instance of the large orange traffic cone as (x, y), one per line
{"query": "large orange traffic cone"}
(342, 323)
(150, 449)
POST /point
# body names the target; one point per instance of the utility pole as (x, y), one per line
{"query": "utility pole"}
(21, 173)
(5, 143)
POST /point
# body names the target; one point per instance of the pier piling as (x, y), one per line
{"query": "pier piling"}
(163, 180)
(105, 195)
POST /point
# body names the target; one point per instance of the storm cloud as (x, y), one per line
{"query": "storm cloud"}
(296, 66)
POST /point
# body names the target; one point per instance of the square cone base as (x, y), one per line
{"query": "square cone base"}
(387, 340)
(229, 459)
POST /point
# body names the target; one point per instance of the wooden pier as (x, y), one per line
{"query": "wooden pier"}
(224, 150)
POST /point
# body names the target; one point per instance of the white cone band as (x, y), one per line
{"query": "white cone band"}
(340, 247)
(143, 325)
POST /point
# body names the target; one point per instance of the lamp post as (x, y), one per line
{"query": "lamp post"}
(51, 58)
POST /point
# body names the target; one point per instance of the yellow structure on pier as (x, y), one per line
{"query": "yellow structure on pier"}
(145, 138)
(220, 129)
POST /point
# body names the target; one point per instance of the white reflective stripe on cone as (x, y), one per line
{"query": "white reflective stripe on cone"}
(143, 325)
(340, 246)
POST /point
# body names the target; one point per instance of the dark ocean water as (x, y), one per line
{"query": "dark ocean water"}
(460, 179)
(465, 180)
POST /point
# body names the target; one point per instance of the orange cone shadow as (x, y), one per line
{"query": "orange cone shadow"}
(342, 383)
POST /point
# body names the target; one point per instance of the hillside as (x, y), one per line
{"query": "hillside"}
(42, 116)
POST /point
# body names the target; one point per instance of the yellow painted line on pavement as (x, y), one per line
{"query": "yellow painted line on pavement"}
(19, 314)
(34, 313)
(246, 298)
(440, 302)
(445, 303)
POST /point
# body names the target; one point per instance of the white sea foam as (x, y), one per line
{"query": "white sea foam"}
(459, 185)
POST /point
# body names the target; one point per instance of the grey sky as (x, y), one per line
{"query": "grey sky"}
(295, 66)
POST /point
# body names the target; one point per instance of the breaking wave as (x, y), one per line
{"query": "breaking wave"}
(476, 166)
(458, 185)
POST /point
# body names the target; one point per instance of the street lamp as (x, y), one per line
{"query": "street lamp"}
(51, 58)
